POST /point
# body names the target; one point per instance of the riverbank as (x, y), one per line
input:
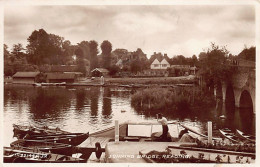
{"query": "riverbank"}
(129, 82)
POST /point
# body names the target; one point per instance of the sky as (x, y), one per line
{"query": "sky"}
(172, 29)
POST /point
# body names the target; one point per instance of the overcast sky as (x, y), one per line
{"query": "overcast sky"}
(174, 30)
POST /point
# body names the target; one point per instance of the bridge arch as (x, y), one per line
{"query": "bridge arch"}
(245, 100)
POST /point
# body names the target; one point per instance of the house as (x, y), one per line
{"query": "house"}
(25, 77)
(159, 61)
(98, 72)
(60, 77)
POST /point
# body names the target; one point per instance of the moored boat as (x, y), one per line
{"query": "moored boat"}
(191, 130)
(244, 136)
(226, 133)
(21, 130)
(57, 148)
(73, 139)
(22, 155)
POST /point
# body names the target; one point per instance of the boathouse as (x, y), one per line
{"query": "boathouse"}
(98, 72)
(25, 77)
(60, 77)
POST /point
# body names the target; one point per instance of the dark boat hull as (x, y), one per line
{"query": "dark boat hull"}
(21, 131)
(73, 139)
(243, 136)
(227, 134)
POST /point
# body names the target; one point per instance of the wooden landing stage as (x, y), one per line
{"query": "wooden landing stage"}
(90, 142)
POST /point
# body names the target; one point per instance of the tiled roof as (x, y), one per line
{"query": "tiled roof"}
(26, 74)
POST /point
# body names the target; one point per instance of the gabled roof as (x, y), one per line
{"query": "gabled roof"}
(60, 75)
(26, 74)
(100, 70)
(159, 57)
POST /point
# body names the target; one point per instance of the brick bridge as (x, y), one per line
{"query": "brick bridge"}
(241, 87)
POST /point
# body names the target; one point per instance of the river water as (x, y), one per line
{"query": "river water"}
(89, 109)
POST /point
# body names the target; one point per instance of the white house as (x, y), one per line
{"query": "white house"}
(163, 64)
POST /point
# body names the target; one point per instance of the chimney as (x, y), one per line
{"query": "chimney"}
(154, 53)
(165, 54)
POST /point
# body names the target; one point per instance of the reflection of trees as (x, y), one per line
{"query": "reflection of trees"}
(94, 94)
(81, 100)
(106, 110)
(49, 103)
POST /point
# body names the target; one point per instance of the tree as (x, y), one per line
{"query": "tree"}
(84, 45)
(106, 48)
(93, 46)
(17, 50)
(67, 52)
(80, 61)
(214, 67)
(44, 48)
(136, 66)
(194, 60)
(6, 52)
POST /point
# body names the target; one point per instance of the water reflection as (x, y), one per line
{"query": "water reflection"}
(82, 109)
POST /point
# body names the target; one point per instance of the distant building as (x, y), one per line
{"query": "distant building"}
(25, 77)
(98, 72)
(158, 61)
(60, 77)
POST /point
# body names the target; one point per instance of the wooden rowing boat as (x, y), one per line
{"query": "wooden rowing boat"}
(244, 136)
(22, 155)
(191, 130)
(57, 148)
(21, 130)
(229, 135)
(73, 139)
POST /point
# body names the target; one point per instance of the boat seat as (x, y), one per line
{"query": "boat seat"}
(131, 138)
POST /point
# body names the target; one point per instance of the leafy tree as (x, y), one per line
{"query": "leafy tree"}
(214, 65)
(6, 52)
(106, 48)
(67, 52)
(194, 60)
(179, 60)
(80, 60)
(113, 70)
(17, 50)
(93, 45)
(44, 48)
(136, 66)
(84, 45)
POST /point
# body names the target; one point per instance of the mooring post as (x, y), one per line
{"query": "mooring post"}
(209, 132)
(102, 80)
(116, 131)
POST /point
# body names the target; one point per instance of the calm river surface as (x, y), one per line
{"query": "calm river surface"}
(83, 109)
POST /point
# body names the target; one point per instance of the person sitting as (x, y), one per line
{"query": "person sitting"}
(163, 121)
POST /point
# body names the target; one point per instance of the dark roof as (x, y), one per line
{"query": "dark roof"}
(100, 70)
(159, 57)
(60, 75)
(26, 74)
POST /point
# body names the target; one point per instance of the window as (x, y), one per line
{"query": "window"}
(156, 65)
(164, 65)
